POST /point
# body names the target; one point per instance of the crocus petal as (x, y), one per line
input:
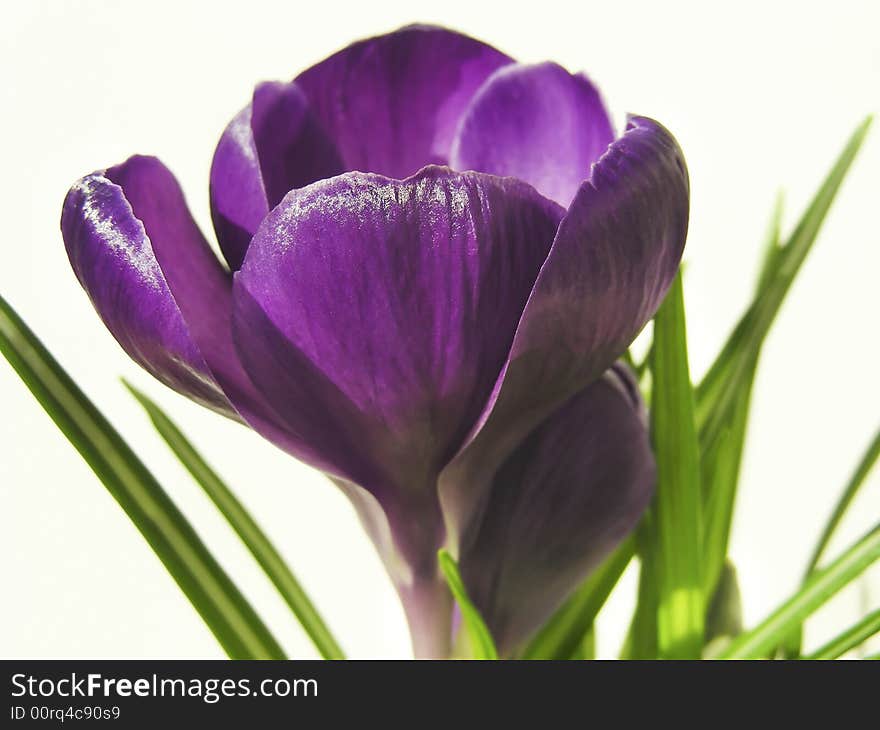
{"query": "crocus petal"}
(535, 122)
(238, 199)
(292, 148)
(391, 103)
(375, 315)
(557, 506)
(272, 146)
(614, 257)
(158, 286)
(113, 258)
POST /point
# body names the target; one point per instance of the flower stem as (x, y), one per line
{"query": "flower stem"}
(427, 603)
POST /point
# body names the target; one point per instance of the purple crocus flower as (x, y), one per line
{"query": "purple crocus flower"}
(435, 257)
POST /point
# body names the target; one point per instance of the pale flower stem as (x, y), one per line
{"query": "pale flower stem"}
(428, 607)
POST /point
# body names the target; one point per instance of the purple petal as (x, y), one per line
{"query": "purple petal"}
(113, 258)
(538, 123)
(558, 505)
(158, 286)
(272, 146)
(375, 315)
(614, 257)
(391, 103)
(292, 148)
(238, 199)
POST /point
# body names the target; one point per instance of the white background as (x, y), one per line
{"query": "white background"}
(761, 95)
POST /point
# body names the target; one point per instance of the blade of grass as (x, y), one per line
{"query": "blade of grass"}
(721, 459)
(791, 647)
(563, 634)
(251, 535)
(772, 246)
(849, 639)
(482, 645)
(641, 638)
(210, 590)
(586, 649)
(869, 458)
(819, 588)
(640, 641)
(723, 396)
(724, 616)
(720, 383)
(676, 508)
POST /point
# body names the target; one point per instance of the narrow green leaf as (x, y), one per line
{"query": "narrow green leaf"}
(677, 502)
(251, 535)
(563, 634)
(869, 458)
(641, 367)
(586, 648)
(791, 647)
(772, 245)
(721, 459)
(210, 590)
(849, 639)
(640, 641)
(819, 588)
(724, 617)
(721, 383)
(482, 645)
(723, 397)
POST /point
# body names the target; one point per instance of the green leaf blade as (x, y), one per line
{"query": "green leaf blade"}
(724, 615)
(721, 382)
(677, 504)
(228, 615)
(849, 639)
(246, 528)
(772, 245)
(721, 458)
(723, 396)
(866, 464)
(482, 644)
(791, 647)
(641, 638)
(819, 588)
